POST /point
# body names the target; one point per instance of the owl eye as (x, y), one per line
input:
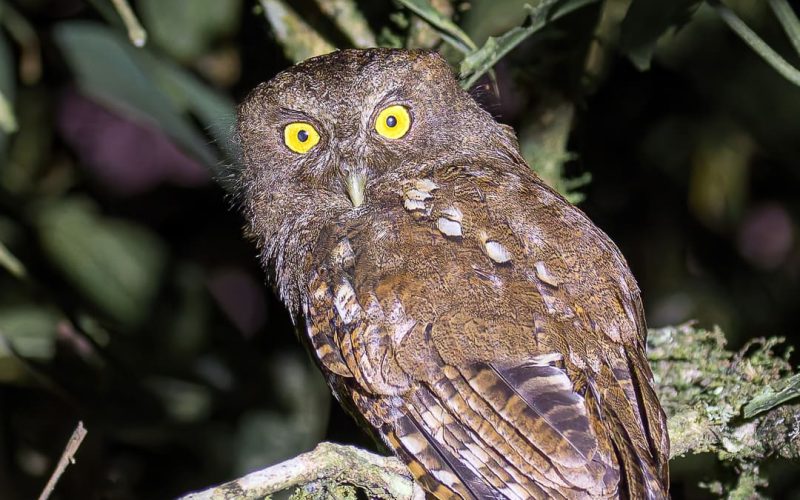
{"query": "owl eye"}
(393, 122)
(300, 137)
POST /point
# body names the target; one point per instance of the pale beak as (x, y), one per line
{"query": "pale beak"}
(355, 184)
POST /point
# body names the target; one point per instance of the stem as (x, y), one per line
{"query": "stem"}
(30, 57)
(347, 17)
(766, 52)
(788, 19)
(136, 32)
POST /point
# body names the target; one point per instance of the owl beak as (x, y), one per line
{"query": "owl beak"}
(355, 184)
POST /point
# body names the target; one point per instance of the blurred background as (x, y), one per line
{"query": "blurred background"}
(130, 300)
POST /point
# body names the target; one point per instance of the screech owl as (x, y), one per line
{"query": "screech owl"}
(483, 327)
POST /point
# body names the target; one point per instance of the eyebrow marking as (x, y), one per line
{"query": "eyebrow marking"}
(296, 115)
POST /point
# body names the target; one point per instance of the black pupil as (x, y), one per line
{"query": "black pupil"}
(391, 121)
(302, 136)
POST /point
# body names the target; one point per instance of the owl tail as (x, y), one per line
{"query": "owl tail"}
(640, 474)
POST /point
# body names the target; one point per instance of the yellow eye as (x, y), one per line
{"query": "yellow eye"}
(300, 137)
(393, 122)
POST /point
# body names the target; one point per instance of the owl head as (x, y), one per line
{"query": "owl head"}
(318, 139)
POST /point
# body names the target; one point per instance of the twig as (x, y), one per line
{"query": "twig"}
(788, 19)
(299, 40)
(749, 37)
(381, 477)
(136, 32)
(422, 35)
(347, 17)
(67, 457)
(479, 61)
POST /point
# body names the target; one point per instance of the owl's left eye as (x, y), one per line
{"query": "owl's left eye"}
(300, 137)
(393, 122)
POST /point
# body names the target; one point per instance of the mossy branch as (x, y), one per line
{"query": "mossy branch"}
(733, 404)
(328, 471)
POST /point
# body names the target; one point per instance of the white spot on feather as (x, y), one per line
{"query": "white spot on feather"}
(343, 253)
(416, 194)
(449, 227)
(546, 359)
(345, 303)
(402, 329)
(413, 204)
(497, 252)
(453, 213)
(446, 477)
(414, 444)
(544, 275)
(426, 185)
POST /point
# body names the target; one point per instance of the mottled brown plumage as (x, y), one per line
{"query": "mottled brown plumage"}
(486, 330)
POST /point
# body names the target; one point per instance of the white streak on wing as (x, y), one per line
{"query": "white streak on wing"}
(345, 302)
(544, 275)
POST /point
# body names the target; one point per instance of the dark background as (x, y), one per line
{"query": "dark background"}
(144, 313)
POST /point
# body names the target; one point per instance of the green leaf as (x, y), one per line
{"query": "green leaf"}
(774, 395)
(646, 21)
(116, 74)
(215, 111)
(186, 30)
(29, 330)
(267, 437)
(11, 263)
(478, 62)
(7, 89)
(115, 264)
(182, 401)
(450, 32)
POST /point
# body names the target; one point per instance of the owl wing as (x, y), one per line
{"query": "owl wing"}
(493, 338)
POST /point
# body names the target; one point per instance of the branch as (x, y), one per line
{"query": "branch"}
(380, 477)
(708, 392)
(719, 401)
(67, 457)
(298, 39)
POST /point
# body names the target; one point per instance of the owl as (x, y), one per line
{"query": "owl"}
(482, 327)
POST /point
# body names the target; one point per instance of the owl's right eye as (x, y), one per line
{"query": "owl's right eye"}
(300, 137)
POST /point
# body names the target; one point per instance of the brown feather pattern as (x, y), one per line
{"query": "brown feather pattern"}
(479, 324)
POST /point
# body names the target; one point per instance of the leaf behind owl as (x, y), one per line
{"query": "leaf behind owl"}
(113, 72)
(115, 264)
(481, 60)
(646, 21)
(186, 30)
(7, 85)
